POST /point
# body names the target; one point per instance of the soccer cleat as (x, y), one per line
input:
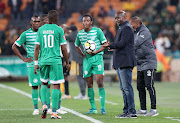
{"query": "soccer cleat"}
(49, 111)
(60, 111)
(92, 111)
(152, 112)
(35, 112)
(103, 111)
(141, 112)
(66, 96)
(131, 116)
(80, 96)
(121, 115)
(44, 109)
(55, 116)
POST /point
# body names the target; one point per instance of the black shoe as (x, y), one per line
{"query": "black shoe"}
(121, 115)
(131, 116)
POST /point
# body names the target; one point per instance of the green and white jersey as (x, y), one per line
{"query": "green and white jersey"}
(28, 38)
(50, 37)
(95, 34)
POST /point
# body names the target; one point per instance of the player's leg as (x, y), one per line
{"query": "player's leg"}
(149, 83)
(56, 77)
(48, 98)
(87, 73)
(33, 81)
(44, 73)
(98, 70)
(142, 93)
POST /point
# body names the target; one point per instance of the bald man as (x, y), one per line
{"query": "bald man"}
(146, 66)
(123, 61)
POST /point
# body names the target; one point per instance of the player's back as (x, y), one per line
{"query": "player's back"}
(50, 38)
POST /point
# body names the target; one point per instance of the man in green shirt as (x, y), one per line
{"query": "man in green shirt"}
(92, 63)
(49, 39)
(28, 38)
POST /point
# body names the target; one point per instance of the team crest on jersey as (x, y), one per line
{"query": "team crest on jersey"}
(148, 73)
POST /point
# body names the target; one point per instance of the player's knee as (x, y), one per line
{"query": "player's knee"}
(140, 88)
(90, 85)
(100, 84)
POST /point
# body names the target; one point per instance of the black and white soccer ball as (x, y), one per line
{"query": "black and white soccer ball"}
(89, 46)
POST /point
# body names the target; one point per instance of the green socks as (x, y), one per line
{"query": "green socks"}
(91, 97)
(102, 97)
(59, 101)
(48, 97)
(55, 99)
(35, 98)
(43, 94)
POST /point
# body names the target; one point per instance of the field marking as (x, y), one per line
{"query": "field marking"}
(109, 102)
(66, 109)
(173, 118)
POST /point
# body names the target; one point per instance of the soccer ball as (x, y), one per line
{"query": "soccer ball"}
(89, 46)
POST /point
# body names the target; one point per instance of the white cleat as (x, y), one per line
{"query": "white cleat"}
(35, 112)
(60, 111)
(55, 116)
(49, 111)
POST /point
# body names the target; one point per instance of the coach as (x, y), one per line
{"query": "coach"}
(146, 66)
(124, 61)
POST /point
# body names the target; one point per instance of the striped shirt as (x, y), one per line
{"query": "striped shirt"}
(95, 34)
(28, 38)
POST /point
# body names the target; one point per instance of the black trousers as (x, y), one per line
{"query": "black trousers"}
(145, 79)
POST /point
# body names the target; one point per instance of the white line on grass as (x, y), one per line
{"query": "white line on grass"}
(66, 109)
(173, 118)
(109, 102)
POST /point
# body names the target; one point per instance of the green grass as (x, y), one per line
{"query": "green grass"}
(16, 108)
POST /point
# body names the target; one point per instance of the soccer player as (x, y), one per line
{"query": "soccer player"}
(49, 39)
(92, 63)
(28, 38)
(44, 20)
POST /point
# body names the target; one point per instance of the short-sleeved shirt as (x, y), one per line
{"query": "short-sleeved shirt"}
(95, 34)
(50, 37)
(28, 38)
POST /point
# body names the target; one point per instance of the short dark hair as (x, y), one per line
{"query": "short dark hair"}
(88, 16)
(36, 16)
(136, 19)
(44, 16)
(53, 15)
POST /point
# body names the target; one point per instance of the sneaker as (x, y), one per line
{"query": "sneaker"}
(80, 96)
(103, 111)
(152, 112)
(141, 112)
(35, 112)
(60, 111)
(92, 111)
(131, 116)
(49, 111)
(55, 116)
(121, 115)
(66, 96)
(44, 109)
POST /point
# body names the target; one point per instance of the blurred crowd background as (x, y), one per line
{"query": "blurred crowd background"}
(162, 17)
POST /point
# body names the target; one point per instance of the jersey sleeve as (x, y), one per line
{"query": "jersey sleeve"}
(37, 38)
(101, 36)
(77, 42)
(21, 40)
(62, 38)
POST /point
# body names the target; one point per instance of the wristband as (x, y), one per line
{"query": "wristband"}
(35, 62)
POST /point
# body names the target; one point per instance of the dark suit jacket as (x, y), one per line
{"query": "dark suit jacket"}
(123, 45)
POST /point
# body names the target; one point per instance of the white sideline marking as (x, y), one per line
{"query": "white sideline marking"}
(112, 103)
(66, 109)
(173, 118)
